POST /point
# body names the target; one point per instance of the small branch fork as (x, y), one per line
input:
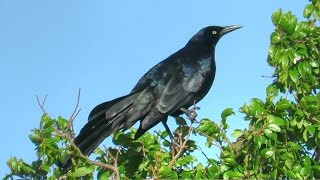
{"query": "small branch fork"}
(181, 147)
(69, 136)
(75, 112)
(192, 115)
(41, 105)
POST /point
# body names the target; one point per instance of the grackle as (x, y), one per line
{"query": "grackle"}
(175, 83)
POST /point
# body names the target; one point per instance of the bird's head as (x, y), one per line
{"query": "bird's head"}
(210, 35)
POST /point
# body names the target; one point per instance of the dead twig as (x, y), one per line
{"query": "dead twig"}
(41, 105)
(68, 136)
(209, 160)
(183, 145)
(115, 161)
(75, 112)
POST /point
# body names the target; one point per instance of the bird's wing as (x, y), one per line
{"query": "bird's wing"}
(181, 89)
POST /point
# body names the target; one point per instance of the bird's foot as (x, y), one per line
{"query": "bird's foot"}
(191, 113)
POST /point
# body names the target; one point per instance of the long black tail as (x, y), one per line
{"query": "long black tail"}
(104, 119)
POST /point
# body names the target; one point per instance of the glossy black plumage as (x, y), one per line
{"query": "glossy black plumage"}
(179, 81)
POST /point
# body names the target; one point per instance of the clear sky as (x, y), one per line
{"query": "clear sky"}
(104, 47)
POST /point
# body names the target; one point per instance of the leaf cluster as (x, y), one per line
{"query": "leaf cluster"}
(282, 140)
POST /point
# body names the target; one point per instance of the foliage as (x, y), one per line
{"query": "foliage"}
(282, 140)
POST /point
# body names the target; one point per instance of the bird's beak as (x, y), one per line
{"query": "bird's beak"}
(228, 29)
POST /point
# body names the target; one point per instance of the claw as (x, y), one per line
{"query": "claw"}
(191, 114)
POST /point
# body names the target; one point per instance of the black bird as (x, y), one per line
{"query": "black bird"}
(179, 81)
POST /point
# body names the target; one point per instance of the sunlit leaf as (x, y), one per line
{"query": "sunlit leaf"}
(274, 127)
(308, 10)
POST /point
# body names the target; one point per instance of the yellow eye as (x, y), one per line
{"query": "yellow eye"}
(214, 32)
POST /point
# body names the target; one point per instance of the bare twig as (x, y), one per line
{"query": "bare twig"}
(41, 105)
(182, 146)
(115, 161)
(68, 136)
(75, 112)
(209, 160)
(212, 139)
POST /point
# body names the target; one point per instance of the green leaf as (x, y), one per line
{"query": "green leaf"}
(232, 175)
(45, 167)
(213, 172)
(230, 161)
(276, 120)
(165, 172)
(272, 92)
(227, 112)
(288, 22)
(294, 75)
(283, 104)
(274, 127)
(186, 175)
(274, 174)
(237, 133)
(35, 137)
(81, 171)
(308, 10)
(288, 162)
(199, 174)
(307, 162)
(269, 133)
(275, 38)
(104, 175)
(180, 121)
(301, 49)
(185, 160)
(311, 129)
(62, 123)
(316, 169)
(297, 168)
(276, 17)
(267, 153)
(45, 119)
(291, 174)
(205, 124)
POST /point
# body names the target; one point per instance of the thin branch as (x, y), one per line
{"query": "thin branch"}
(209, 160)
(215, 143)
(41, 105)
(115, 161)
(75, 112)
(182, 146)
(68, 136)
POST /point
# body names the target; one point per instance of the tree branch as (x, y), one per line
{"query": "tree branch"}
(75, 112)
(182, 146)
(69, 137)
(41, 105)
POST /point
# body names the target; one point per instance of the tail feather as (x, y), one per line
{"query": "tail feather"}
(104, 119)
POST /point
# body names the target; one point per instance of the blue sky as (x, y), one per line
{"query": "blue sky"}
(104, 47)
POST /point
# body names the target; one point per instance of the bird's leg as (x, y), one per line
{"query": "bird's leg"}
(174, 145)
(164, 122)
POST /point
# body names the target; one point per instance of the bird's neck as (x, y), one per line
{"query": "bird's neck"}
(201, 50)
(206, 47)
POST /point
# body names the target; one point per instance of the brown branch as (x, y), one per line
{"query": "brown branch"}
(75, 112)
(182, 146)
(215, 143)
(115, 161)
(68, 136)
(209, 160)
(41, 105)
